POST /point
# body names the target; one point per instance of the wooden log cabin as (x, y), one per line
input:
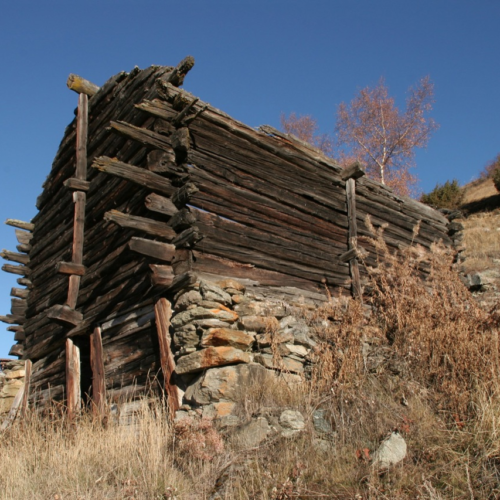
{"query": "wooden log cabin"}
(152, 190)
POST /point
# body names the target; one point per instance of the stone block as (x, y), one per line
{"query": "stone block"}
(221, 313)
(187, 299)
(228, 383)
(285, 363)
(210, 357)
(257, 324)
(212, 292)
(231, 284)
(225, 336)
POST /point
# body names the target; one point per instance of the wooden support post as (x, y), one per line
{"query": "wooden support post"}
(163, 314)
(97, 365)
(81, 137)
(79, 197)
(28, 365)
(353, 237)
(73, 390)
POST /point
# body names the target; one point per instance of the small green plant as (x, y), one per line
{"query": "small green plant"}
(447, 195)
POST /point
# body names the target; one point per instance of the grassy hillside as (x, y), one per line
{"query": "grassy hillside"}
(425, 363)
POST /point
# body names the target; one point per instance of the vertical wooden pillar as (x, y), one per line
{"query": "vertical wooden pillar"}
(73, 390)
(27, 379)
(163, 314)
(97, 365)
(79, 198)
(353, 237)
(81, 137)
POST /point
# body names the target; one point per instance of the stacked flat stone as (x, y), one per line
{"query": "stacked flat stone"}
(225, 338)
(11, 380)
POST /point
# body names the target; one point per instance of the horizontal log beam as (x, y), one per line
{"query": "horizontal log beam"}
(162, 275)
(23, 237)
(28, 226)
(70, 268)
(146, 137)
(22, 293)
(16, 350)
(66, 314)
(155, 249)
(14, 257)
(159, 204)
(21, 270)
(23, 248)
(12, 319)
(143, 224)
(182, 281)
(134, 174)
(81, 85)
(76, 184)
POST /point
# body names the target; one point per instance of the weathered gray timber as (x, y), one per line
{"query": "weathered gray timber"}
(180, 193)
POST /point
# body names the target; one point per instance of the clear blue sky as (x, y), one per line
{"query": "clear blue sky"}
(254, 60)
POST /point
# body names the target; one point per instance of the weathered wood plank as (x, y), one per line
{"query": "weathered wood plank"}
(16, 350)
(353, 171)
(163, 314)
(20, 270)
(70, 268)
(143, 136)
(157, 203)
(162, 275)
(12, 319)
(143, 224)
(81, 85)
(98, 380)
(79, 199)
(14, 257)
(28, 226)
(81, 137)
(28, 368)
(23, 237)
(138, 175)
(65, 313)
(155, 249)
(357, 290)
(73, 379)
(76, 184)
(73, 290)
(23, 248)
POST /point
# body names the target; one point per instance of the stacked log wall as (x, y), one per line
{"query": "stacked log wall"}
(116, 281)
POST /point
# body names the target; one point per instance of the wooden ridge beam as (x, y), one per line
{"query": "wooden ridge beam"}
(28, 226)
(156, 249)
(140, 176)
(14, 257)
(81, 85)
(143, 224)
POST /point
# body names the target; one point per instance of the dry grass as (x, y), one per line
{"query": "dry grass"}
(436, 381)
(482, 241)
(478, 190)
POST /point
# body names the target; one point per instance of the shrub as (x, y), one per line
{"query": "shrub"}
(447, 195)
(496, 178)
